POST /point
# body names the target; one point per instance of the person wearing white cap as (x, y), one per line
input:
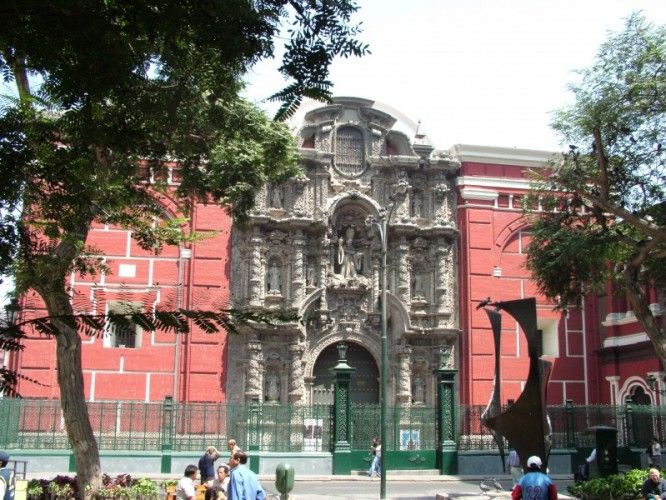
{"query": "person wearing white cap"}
(534, 485)
(7, 479)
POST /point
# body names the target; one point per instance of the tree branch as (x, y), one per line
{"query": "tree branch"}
(602, 161)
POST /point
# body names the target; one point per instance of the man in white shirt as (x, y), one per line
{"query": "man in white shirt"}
(185, 489)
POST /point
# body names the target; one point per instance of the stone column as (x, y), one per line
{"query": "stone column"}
(256, 271)
(442, 256)
(298, 276)
(403, 285)
(254, 382)
(325, 264)
(404, 392)
(296, 381)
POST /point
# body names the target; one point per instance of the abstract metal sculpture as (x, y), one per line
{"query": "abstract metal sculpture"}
(524, 424)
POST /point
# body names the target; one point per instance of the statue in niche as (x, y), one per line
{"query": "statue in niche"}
(274, 277)
(418, 389)
(348, 259)
(310, 277)
(419, 285)
(417, 205)
(276, 197)
(272, 387)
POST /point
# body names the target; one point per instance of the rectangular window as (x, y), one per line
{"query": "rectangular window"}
(549, 337)
(123, 335)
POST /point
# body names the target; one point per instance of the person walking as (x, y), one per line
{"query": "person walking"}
(233, 448)
(207, 464)
(655, 453)
(7, 478)
(514, 467)
(534, 485)
(243, 484)
(376, 464)
(654, 486)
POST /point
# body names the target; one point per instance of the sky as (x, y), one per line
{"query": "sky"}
(473, 71)
(485, 72)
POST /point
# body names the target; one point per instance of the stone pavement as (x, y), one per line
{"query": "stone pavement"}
(417, 487)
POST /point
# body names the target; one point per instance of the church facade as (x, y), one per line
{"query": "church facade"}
(314, 246)
(454, 235)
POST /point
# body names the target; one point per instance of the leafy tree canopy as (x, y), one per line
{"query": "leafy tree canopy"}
(106, 86)
(608, 218)
(117, 82)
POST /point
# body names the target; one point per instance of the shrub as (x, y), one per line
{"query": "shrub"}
(145, 489)
(119, 487)
(613, 487)
(35, 489)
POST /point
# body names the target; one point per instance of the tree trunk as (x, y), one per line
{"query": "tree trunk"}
(640, 306)
(72, 395)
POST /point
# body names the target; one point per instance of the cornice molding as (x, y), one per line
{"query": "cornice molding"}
(478, 194)
(625, 340)
(493, 182)
(502, 156)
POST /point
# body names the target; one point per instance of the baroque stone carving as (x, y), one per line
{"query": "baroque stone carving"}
(307, 248)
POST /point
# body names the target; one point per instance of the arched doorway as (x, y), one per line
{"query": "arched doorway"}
(642, 422)
(365, 381)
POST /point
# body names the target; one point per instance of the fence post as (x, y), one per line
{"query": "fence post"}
(447, 425)
(254, 437)
(166, 441)
(629, 423)
(342, 462)
(570, 423)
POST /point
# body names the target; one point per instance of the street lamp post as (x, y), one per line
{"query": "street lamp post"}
(12, 310)
(382, 228)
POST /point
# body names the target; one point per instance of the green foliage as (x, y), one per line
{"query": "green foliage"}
(144, 488)
(616, 486)
(60, 491)
(146, 81)
(167, 483)
(604, 208)
(108, 89)
(34, 490)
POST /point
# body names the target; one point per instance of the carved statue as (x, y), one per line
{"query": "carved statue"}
(417, 205)
(419, 388)
(274, 278)
(276, 197)
(444, 356)
(419, 288)
(348, 259)
(272, 387)
(310, 276)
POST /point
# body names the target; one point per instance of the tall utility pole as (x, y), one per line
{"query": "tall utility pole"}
(382, 229)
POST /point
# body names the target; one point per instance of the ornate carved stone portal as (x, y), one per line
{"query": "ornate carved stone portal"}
(308, 248)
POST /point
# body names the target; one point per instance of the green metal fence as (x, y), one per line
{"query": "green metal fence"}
(124, 425)
(570, 425)
(408, 428)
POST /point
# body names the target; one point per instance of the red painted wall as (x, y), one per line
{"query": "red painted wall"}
(493, 238)
(188, 367)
